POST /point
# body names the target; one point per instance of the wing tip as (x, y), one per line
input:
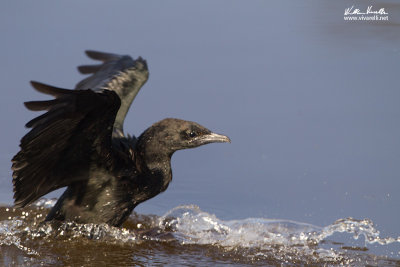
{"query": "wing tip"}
(38, 105)
(19, 200)
(36, 84)
(102, 56)
(49, 89)
(88, 69)
(19, 203)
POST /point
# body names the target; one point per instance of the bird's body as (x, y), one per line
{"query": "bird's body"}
(79, 143)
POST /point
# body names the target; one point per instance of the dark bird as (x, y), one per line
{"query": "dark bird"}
(79, 143)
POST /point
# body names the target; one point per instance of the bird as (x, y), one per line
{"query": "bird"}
(79, 143)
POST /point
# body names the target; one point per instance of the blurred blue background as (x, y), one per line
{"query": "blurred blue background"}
(310, 101)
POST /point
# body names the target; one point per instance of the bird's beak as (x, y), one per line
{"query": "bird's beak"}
(214, 138)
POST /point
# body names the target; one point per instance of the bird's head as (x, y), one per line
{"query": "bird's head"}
(170, 135)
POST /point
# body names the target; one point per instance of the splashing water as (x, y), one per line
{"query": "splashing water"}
(183, 232)
(287, 240)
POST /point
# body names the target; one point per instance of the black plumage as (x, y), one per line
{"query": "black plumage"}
(79, 143)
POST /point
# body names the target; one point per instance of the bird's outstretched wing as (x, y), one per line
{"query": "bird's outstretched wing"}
(119, 73)
(74, 133)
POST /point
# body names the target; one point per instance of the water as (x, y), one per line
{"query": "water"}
(310, 101)
(186, 235)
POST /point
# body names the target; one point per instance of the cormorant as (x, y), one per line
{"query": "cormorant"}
(79, 144)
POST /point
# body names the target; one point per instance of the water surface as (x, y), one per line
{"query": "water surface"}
(185, 235)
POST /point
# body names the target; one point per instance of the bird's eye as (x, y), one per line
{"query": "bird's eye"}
(192, 134)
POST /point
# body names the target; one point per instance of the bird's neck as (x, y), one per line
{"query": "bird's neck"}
(154, 164)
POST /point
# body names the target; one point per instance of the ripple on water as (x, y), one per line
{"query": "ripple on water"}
(187, 235)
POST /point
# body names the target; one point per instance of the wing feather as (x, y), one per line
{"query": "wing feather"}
(118, 73)
(74, 133)
(87, 69)
(42, 105)
(96, 55)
